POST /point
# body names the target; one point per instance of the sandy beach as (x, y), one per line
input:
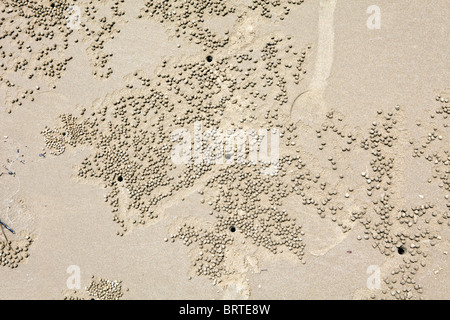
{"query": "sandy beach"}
(211, 149)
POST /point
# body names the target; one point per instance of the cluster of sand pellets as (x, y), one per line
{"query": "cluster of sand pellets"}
(37, 40)
(247, 202)
(98, 289)
(131, 129)
(189, 19)
(12, 253)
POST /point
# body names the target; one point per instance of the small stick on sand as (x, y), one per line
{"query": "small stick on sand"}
(11, 173)
(4, 225)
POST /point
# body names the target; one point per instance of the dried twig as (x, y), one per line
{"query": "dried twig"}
(6, 226)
